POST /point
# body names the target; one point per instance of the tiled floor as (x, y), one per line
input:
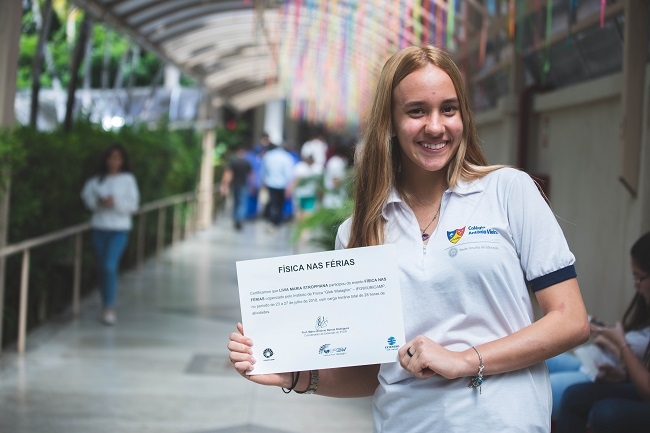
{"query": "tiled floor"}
(164, 367)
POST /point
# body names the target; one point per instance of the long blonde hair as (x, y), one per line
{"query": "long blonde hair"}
(378, 154)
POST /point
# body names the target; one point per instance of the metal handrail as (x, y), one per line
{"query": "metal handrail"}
(78, 230)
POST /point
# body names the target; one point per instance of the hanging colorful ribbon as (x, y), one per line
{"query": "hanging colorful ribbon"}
(451, 20)
(520, 26)
(511, 20)
(535, 24)
(483, 43)
(425, 22)
(416, 21)
(491, 8)
(439, 24)
(546, 64)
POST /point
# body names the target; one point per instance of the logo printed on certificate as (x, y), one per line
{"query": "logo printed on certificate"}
(322, 310)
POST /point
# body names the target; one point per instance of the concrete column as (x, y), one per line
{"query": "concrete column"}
(10, 21)
(644, 190)
(509, 107)
(274, 121)
(172, 77)
(206, 180)
(635, 54)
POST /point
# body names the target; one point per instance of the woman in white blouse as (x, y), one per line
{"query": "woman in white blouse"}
(112, 195)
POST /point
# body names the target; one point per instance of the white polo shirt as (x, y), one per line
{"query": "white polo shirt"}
(496, 237)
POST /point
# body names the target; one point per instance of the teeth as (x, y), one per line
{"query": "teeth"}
(433, 146)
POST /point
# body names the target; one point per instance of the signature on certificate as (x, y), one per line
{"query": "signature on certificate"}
(321, 323)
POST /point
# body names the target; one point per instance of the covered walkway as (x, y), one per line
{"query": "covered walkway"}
(163, 368)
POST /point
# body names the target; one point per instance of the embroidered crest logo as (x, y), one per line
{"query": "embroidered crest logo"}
(455, 235)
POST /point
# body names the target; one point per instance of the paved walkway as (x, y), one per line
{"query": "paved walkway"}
(163, 368)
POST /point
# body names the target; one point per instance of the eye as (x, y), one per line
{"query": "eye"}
(449, 110)
(416, 112)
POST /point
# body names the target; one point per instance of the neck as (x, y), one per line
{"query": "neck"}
(423, 190)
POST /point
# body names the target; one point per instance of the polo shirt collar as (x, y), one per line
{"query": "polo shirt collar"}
(462, 187)
(465, 187)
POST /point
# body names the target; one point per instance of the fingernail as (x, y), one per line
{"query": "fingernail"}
(253, 360)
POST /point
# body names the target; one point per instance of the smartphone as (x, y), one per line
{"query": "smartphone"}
(595, 321)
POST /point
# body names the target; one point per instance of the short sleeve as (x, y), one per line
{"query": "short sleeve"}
(540, 243)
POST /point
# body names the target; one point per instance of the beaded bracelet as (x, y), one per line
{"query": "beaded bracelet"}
(294, 382)
(313, 383)
(478, 379)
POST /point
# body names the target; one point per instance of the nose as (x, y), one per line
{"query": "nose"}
(434, 125)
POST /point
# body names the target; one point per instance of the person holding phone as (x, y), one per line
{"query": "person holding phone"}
(601, 361)
(619, 399)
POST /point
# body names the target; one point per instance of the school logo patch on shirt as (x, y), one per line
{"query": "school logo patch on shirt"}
(455, 235)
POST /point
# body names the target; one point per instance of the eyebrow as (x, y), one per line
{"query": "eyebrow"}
(418, 103)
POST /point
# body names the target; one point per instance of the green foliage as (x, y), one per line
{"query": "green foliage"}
(234, 133)
(322, 225)
(103, 39)
(12, 153)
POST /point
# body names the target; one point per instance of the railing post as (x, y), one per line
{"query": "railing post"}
(141, 239)
(160, 235)
(188, 217)
(176, 230)
(22, 317)
(76, 285)
(195, 213)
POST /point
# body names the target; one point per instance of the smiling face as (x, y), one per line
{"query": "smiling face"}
(427, 120)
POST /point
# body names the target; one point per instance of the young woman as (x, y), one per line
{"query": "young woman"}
(472, 240)
(112, 195)
(620, 400)
(566, 369)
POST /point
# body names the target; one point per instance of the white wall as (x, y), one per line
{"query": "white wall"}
(575, 141)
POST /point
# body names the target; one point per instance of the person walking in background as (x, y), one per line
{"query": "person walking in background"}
(473, 243)
(335, 189)
(255, 184)
(112, 195)
(277, 174)
(235, 180)
(619, 401)
(263, 145)
(305, 186)
(316, 147)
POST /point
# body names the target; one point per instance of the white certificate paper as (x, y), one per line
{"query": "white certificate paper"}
(322, 310)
